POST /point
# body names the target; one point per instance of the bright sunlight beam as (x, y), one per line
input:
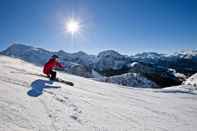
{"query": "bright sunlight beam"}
(72, 26)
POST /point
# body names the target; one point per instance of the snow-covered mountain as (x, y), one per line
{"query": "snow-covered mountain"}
(131, 80)
(160, 68)
(77, 69)
(80, 61)
(184, 61)
(78, 57)
(110, 59)
(186, 54)
(28, 53)
(148, 57)
(153, 56)
(40, 56)
(161, 75)
(192, 80)
(32, 103)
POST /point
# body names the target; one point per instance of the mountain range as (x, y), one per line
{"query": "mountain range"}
(160, 70)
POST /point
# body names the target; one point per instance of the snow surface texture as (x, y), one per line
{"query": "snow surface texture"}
(32, 103)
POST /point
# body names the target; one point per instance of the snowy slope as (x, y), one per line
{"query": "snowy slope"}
(192, 80)
(89, 105)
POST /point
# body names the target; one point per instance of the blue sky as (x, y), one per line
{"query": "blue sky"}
(127, 26)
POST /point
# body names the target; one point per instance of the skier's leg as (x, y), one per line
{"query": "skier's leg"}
(49, 75)
(53, 75)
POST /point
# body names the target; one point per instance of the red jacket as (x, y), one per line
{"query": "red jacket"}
(52, 63)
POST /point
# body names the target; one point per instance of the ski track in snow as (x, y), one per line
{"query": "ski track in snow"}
(89, 105)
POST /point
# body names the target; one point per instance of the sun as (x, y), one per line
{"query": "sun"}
(72, 26)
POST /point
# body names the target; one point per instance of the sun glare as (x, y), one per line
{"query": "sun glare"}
(72, 26)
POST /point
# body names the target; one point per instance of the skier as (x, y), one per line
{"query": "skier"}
(50, 65)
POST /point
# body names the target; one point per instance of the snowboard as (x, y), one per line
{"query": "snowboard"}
(64, 81)
(57, 79)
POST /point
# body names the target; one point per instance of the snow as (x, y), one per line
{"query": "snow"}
(110, 59)
(192, 80)
(186, 53)
(89, 105)
(31, 54)
(184, 61)
(148, 55)
(131, 80)
(133, 64)
(96, 75)
(39, 56)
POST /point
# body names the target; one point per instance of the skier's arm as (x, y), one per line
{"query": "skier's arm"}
(60, 65)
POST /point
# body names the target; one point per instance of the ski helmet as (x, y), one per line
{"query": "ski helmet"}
(55, 56)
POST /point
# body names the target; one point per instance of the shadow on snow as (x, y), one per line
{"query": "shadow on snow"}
(38, 86)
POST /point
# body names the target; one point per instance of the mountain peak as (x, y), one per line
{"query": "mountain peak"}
(188, 51)
(18, 45)
(15, 49)
(107, 53)
(148, 55)
(80, 53)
